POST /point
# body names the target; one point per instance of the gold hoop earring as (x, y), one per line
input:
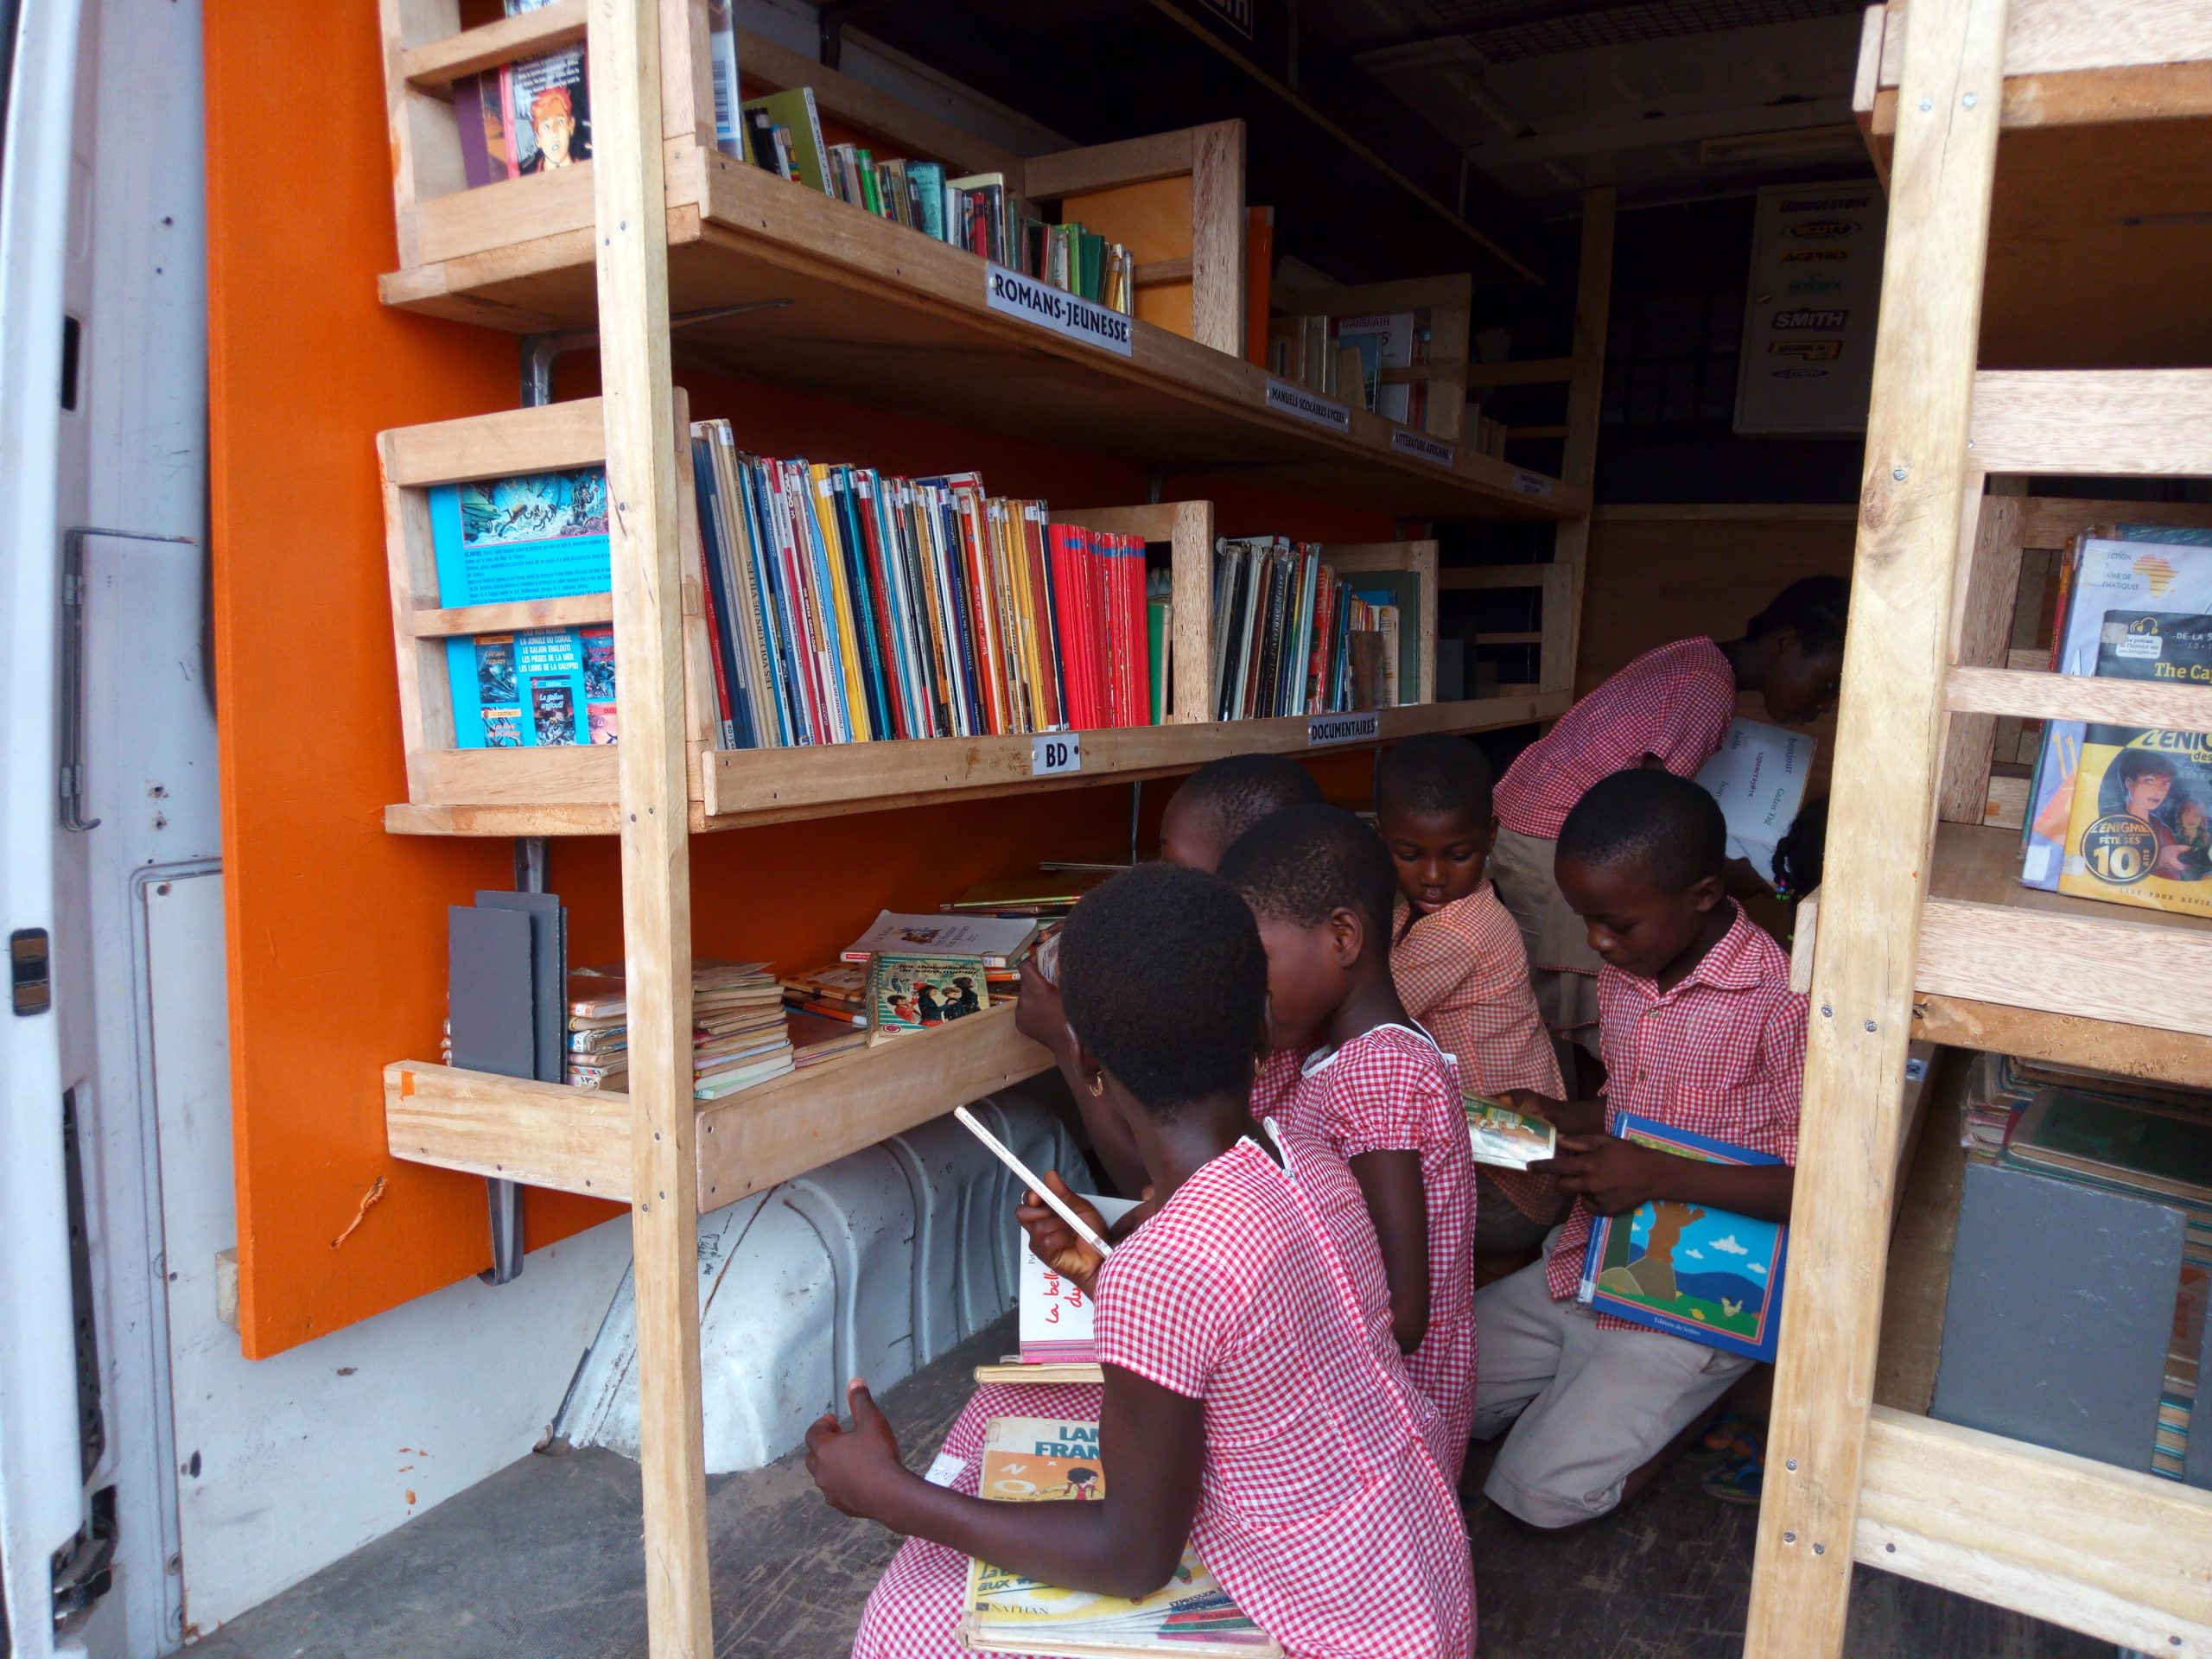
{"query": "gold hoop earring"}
(1098, 1084)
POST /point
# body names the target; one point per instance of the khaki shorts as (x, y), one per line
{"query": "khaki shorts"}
(1563, 968)
(1587, 1407)
(1499, 1226)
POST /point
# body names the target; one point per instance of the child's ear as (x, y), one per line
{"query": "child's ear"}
(1347, 935)
(1489, 834)
(1707, 892)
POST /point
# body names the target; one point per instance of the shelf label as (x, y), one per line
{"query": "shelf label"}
(1534, 484)
(1419, 443)
(1054, 753)
(1303, 405)
(1364, 727)
(1042, 306)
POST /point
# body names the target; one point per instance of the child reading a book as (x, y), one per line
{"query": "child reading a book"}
(1350, 1069)
(1670, 708)
(1458, 959)
(1700, 1031)
(1245, 1406)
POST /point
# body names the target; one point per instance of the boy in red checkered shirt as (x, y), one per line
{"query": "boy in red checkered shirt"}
(1670, 708)
(1352, 1071)
(1461, 969)
(1700, 1031)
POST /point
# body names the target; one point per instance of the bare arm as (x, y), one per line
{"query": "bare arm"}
(1615, 1176)
(1398, 1202)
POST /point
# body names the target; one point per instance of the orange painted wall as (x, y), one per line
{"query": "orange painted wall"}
(336, 931)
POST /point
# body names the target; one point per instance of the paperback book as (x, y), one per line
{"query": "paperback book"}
(1505, 1139)
(1758, 777)
(997, 941)
(922, 993)
(1055, 1315)
(1710, 1275)
(1039, 1460)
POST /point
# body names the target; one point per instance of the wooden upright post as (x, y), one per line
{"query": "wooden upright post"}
(633, 256)
(1917, 490)
(1593, 294)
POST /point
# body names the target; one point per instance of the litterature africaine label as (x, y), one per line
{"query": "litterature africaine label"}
(1303, 405)
(1040, 304)
(1534, 484)
(1056, 752)
(1419, 443)
(1344, 729)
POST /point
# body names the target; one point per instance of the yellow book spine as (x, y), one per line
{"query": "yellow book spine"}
(848, 622)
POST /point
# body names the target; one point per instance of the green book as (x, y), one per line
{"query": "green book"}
(1158, 621)
(794, 110)
(871, 197)
(2110, 1143)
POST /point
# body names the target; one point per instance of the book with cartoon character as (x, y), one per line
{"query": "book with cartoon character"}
(1711, 1275)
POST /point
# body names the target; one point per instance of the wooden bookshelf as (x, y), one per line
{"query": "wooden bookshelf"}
(579, 1140)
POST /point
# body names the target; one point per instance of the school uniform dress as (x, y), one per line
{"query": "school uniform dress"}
(1463, 972)
(1675, 702)
(1591, 1398)
(1393, 1090)
(1321, 1509)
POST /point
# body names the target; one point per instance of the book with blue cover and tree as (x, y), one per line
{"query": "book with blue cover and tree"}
(1710, 1275)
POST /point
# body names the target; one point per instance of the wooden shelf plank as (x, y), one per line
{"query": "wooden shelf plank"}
(2108, 1551)
(860, 308)
(439, 63)
(2044, 37)
(2127, 1050)
(578, 1139)
(570, 791)
(2037, 694)
(2119, 423)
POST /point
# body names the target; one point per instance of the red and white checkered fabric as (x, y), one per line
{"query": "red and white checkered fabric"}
(1675, 702)
(1393, 1090)
(1463, 972)
(1722, 1054)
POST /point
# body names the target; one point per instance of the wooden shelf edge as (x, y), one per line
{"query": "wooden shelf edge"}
(2111, 1552)
(757, 786)
(578, 1139)
(2126, 1051)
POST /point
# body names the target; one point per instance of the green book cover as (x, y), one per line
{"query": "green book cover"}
(794, 110)
(871, 197)
(1159, 615)
(2113, 1143)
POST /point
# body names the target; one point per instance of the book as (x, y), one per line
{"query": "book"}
(1758, 776)
(2141, 828)
(1713, 1276)
(1505, 1139)
(722, 56)
(1047, 893)
(548, 105)
(997, 942)
(1382, 342)
(1055, 1316)
(795, 127)
(1039, 1460)
(920, 993)
(2131, 1146)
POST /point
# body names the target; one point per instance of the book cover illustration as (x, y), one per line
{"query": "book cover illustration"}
(1040, 1459)
(1713, 1276)
(999, 941)
(549, 107)
(2140, 830)
(1055, 1315)
(1505, 1139)
(921, 993)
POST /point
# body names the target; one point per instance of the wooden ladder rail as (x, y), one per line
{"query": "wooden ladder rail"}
(1919, 490)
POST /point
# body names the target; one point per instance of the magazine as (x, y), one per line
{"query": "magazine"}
(2140, 829)
(1505, 1139)
(1056, 1316)
(1039, 1460)
(1711, 1275)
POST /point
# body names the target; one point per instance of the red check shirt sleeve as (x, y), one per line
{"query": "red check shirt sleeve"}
(1166, 1312)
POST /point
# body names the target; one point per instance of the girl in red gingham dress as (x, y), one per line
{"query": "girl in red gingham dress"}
(1351, 1070)
(1247, 1406)
(1668, 709)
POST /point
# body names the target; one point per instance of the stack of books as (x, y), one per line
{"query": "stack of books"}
(739, 1036)
(783, 135)
(845, 605)
(1285, 628)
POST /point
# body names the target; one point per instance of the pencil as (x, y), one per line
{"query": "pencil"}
(999, 1151)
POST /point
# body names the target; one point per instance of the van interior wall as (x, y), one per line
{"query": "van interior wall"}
(335, 929)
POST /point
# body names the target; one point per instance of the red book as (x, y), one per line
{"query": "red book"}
(1052, 692)
(1060, 540)
(1137, 659)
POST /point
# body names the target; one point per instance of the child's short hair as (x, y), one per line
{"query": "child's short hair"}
(1165, 982)
(1237, 790)
(1304, 862)
(1799, 854)
(1814, 609)
(1435, 774)
(1666, 826)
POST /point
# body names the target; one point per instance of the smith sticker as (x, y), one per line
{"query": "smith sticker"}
(1807, 317)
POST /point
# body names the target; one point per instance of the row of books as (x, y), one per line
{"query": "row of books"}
(782, 133)
(1291, 637)
(2116, 812)
(845, 605)
(1346, 357)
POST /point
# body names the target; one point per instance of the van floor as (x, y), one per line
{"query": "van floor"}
(542, 1561)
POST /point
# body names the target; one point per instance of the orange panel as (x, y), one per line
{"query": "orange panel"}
(1153, 220)
(336, 931)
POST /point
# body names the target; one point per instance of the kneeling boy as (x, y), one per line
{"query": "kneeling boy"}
(1699, 1030)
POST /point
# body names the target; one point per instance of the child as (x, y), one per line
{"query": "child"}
(1670, 709)
(1352, 1071)
(1461, 969)
(1245, 1408)
(1699, 1030)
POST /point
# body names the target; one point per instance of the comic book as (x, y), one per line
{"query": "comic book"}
(1056, 1316)
(1713, 1276)
(1039, 1460)
(1505, 1139)
(2140, 830)
(921, 993)
(543, 536)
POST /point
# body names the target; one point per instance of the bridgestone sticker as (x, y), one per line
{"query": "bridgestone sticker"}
(1039, 304)
(1343, 729)
(1302, 405)
(1419, 443)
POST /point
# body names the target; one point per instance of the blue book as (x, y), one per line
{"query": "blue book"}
(847, 726)
(1713, 1276)
(539, 535)
(853, 547)
(777, 629)
(928, 180)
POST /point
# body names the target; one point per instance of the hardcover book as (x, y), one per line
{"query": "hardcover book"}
(1056, 1316)
(1711, 1275)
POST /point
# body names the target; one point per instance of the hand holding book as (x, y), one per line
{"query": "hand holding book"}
(1568, 1116)
(1613, 1176)
(1055, 1243)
